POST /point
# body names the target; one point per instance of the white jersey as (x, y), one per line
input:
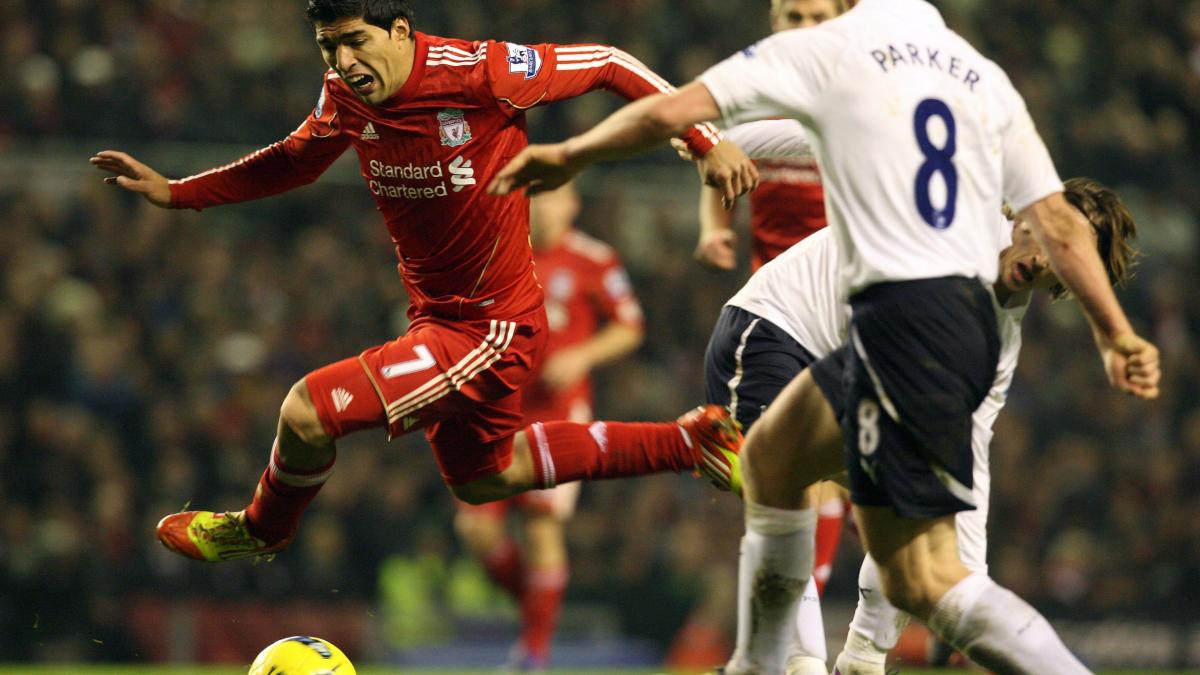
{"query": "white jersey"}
(798, 292)
(918, 137)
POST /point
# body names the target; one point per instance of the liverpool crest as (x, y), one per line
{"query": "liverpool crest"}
(453, 127)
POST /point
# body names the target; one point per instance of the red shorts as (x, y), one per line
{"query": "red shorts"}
(458, 380)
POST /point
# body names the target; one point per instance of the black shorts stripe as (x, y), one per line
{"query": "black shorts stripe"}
(749, 360)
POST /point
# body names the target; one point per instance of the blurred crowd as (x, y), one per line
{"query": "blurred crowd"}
(144, 353)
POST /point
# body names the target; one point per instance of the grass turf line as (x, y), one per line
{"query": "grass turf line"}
(67, 669)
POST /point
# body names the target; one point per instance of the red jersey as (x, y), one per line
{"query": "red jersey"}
(428, 152)
(586, 287)
(788, 205)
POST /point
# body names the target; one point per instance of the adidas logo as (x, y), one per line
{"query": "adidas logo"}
(341, 399)
(368, 132)
(599, 432)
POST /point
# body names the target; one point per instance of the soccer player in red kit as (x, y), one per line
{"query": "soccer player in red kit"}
(432, 119)
(594, 318)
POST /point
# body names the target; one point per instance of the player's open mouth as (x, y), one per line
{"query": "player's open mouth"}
(361, 83)
(1023, 274)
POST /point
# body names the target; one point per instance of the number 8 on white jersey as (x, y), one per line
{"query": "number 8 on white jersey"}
(920, 139)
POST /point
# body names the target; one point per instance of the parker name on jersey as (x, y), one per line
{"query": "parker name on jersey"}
(919, 137)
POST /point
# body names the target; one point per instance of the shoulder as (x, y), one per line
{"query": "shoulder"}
(332, 82)
(336, 104)
(818, 251)
(454, 60)
(335, 93)
(455, 53)
(516, 71)
(819, 243)
(591, 249)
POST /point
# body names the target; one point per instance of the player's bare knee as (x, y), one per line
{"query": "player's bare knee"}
(300, 415)
(477, 531)
(466, 525)
(544, 526)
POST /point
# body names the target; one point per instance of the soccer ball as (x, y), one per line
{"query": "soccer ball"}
(301, 655)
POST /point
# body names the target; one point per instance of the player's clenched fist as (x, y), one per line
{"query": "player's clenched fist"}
(134, 176)
(1132, 366)
(728, 169)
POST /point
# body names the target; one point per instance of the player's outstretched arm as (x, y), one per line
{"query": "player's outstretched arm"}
(134, 176)
(632, 130)
(1130, 361)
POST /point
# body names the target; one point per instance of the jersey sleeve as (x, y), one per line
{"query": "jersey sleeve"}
(297, 160)
(771, 139)
(614, 294)
(1029, 173)
(523, 76)
(781, 76)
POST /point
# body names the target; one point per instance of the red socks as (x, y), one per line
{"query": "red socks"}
(281, 498)
(830, 517)
(538, 593)
(568, 451)
(540, 605)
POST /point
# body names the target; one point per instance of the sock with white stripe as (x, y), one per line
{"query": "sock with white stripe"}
(774, 568)
(281, 498)
(831, 515)
(568, 451)
(1000, 631)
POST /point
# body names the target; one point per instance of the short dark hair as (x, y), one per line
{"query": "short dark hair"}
(381, 13)
(1114, 225)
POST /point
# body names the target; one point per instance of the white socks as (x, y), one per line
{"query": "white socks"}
(875, 619)
(860, 656)
(875, 628)
(810, 628)
(775, 567)
(1000, 631)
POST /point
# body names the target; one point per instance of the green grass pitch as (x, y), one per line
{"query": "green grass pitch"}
(233, 670)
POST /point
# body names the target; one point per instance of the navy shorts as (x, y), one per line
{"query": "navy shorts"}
(748, 362)
(829, 372)
(922, 357)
